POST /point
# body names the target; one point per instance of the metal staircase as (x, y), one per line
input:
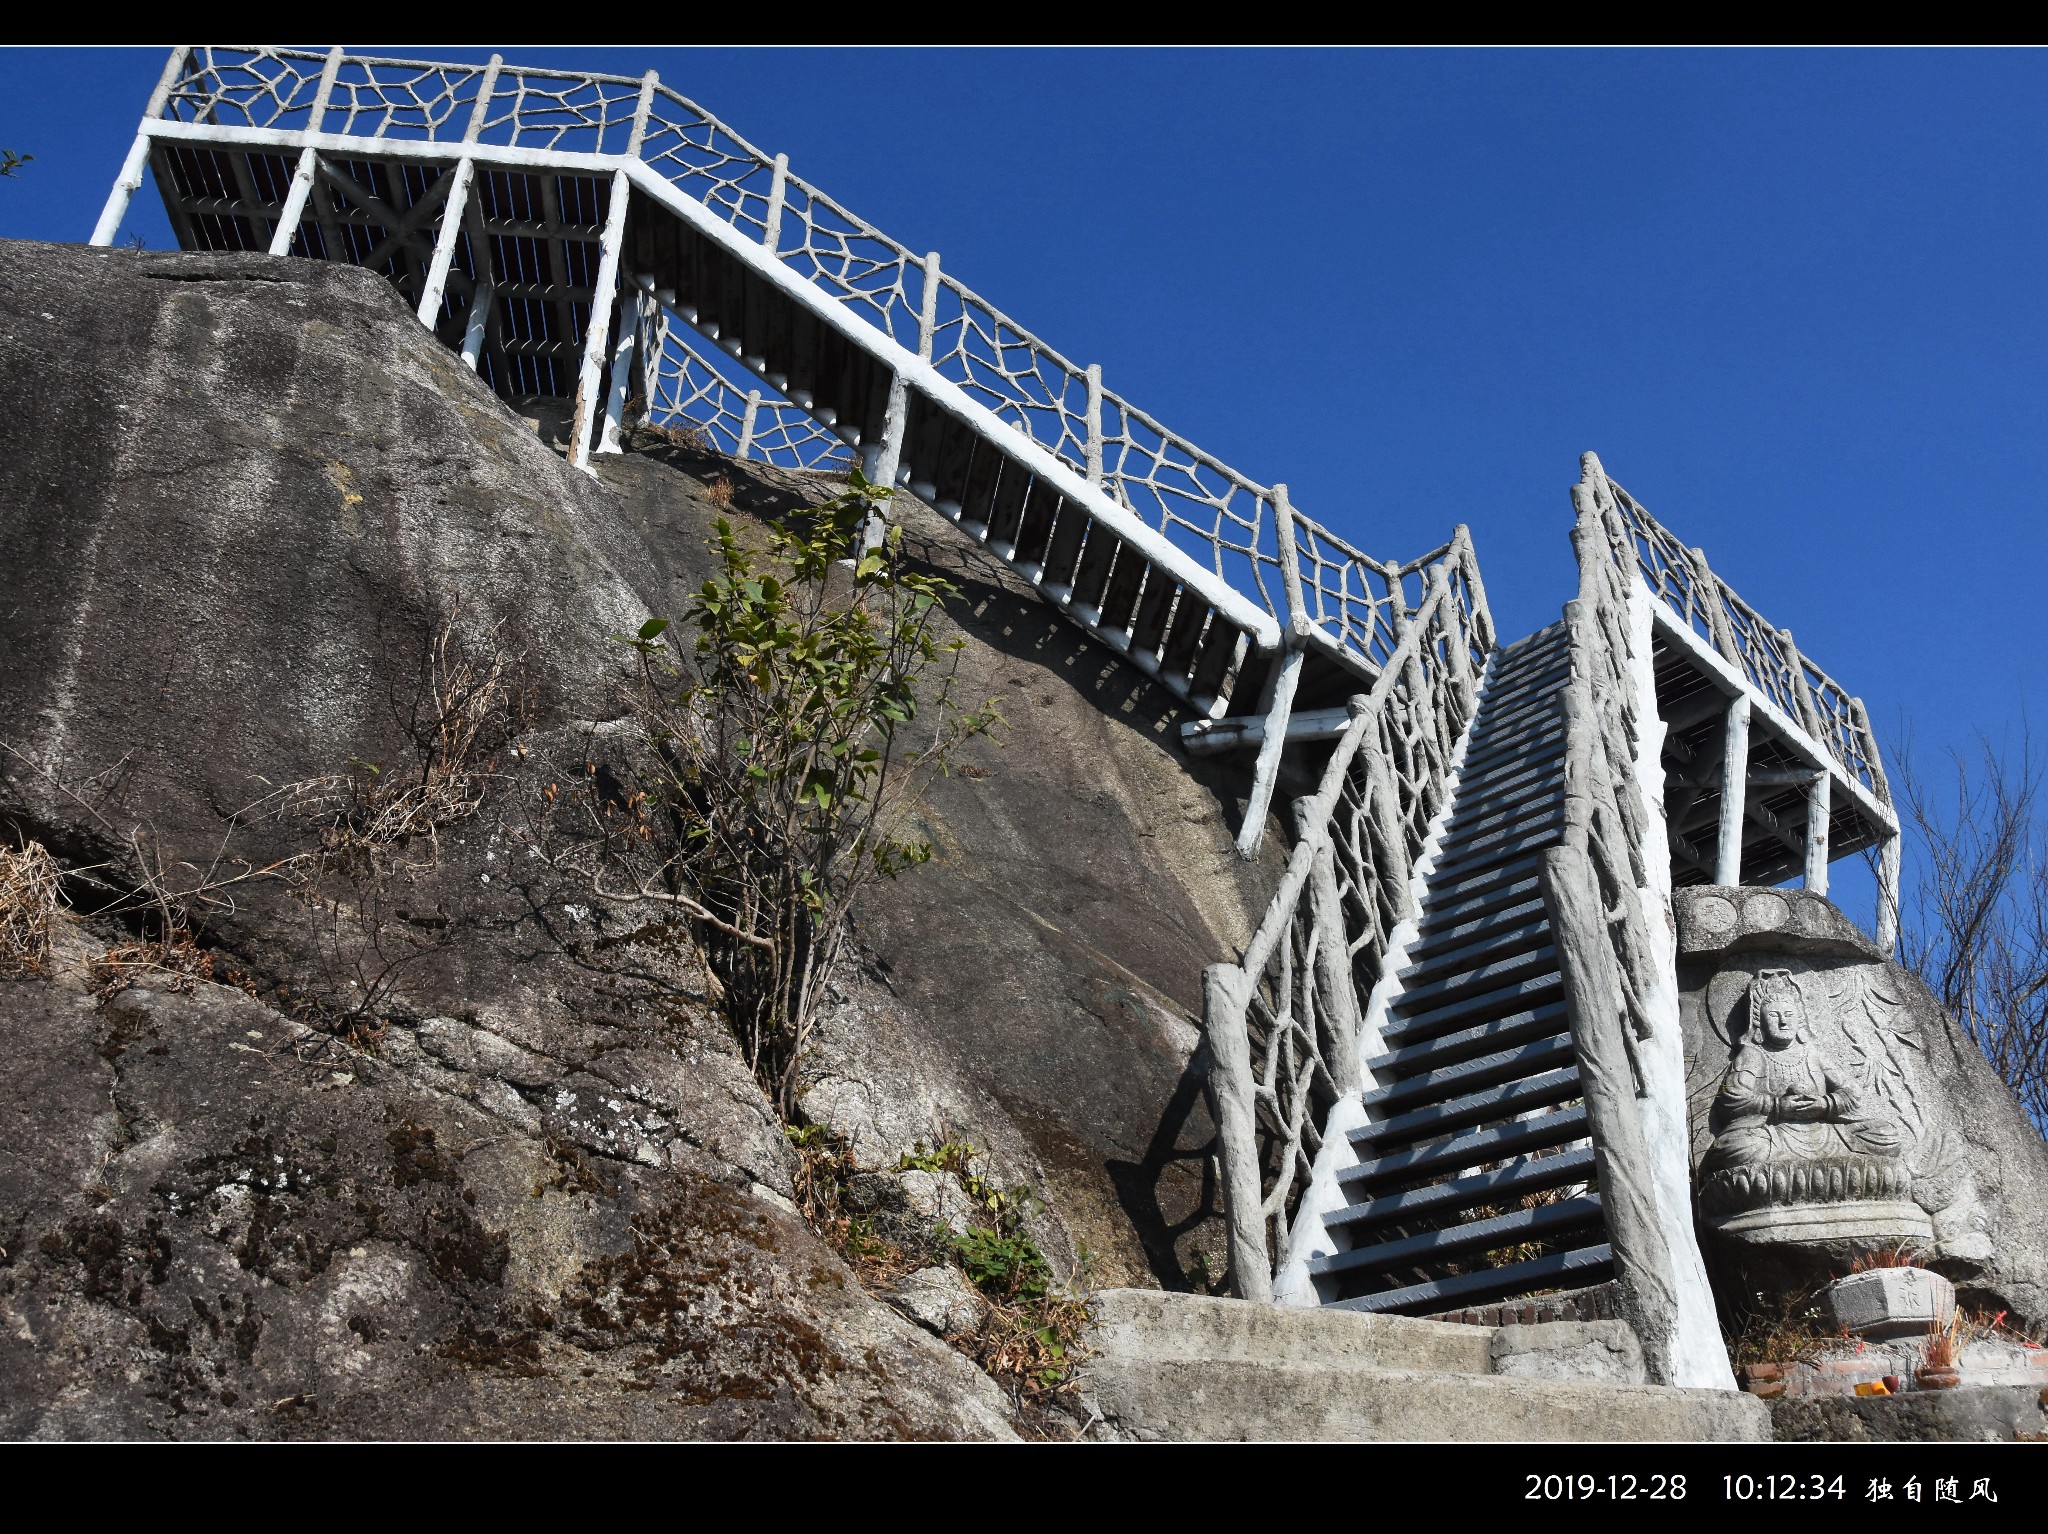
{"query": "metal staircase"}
(1429, 1061)
(1474, 1141)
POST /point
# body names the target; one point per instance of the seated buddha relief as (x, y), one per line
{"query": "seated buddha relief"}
(1802, 1151)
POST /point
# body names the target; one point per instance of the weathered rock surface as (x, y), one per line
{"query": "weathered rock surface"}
(218, 1223)
(239, 499)
(1978, 1168)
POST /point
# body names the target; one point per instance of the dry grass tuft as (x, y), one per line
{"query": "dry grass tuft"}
(469, 703)
(29, 894)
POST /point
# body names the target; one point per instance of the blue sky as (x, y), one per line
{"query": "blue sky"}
(1795, 298)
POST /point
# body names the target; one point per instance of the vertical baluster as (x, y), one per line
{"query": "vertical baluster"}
(130, 179)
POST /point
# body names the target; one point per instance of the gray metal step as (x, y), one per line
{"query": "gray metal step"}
(1500, 942)
(1573, 1269)
(1444, 939)
(1512, 739)
(1530, 1174)
(1481, 1039)
(1468, 1011)
(1457, 1241)
(1457, 1152)
(1485, 764)
(1469, 1076)
(1477, 808)
(1462, 900)
(1544, 1091)
(1537, 701)
(1509, 771)
(1480, 978)
(1507, 828)
(1478, 859)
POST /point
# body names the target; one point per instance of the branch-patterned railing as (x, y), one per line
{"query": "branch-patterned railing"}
(1681, 578)
(1226, 519)
(1282, 1023)
(1593, 884)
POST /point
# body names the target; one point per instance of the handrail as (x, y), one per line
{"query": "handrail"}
(1227, 519)
(1282, 1022)
(1593, 884)
(1765, 655)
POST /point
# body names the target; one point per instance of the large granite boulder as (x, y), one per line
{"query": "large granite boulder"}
(242, 501)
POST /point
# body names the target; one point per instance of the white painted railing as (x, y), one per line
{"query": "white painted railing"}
(501, 113)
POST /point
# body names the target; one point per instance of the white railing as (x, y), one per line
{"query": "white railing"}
(1282, 1022)
(1226, 520)
(1765, 654)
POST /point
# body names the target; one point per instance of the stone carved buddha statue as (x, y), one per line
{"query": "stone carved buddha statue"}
(1800, 1152)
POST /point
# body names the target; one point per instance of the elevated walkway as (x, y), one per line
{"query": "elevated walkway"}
(602, 241)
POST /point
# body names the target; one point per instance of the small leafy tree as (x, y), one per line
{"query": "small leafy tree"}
(797, 733)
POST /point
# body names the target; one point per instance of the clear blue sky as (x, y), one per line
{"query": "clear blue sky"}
(1795, 299)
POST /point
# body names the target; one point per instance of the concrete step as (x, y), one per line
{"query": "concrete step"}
(1191, 1368)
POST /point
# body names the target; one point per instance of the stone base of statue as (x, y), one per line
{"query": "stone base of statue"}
(1836, 1202)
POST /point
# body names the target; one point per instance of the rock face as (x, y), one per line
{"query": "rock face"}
(1905, 1135)
(250, 514)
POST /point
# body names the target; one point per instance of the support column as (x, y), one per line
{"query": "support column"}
(591, 379)
(632, 319)
(1888, 895)
(1819, 795)
(477, 330)
(130, 179)
(309, 162)
(880, 460)
(452, 219)
(1734, 790)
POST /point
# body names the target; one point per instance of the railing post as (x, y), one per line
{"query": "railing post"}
(1711, 599)
(129, 181)
(778, 195)
(1802, 691)
(1734, 790)
(454, 212)
(1226, 997)
(1094, 425)
(1468, 564)
(1594, 992)
(747, 421)
(294, 209)
(928, 307)
(1334, 980)
(1280, 707)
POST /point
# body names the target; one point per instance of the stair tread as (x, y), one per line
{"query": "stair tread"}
(1526, 1174)
(1530, 1023)
(1489, 1283)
